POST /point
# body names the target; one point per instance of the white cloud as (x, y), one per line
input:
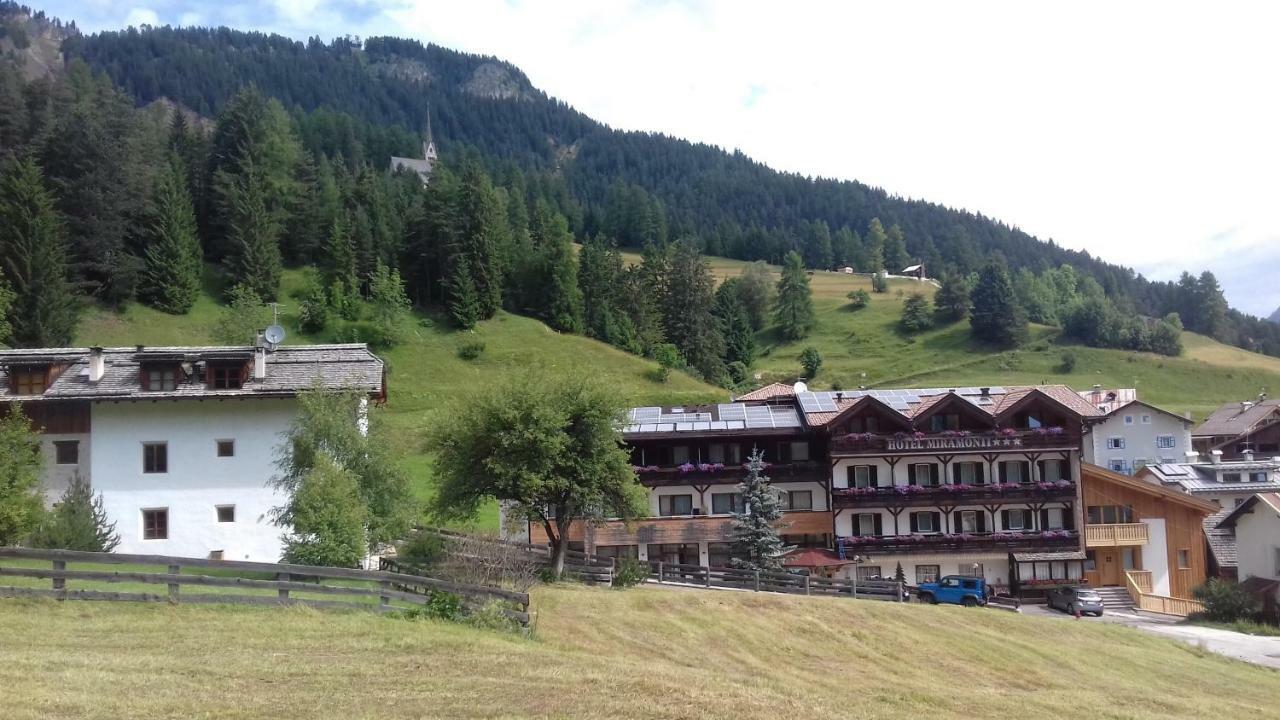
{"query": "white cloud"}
(1141, 131)
(138, 17)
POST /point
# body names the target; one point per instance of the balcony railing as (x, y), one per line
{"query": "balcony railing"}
(679, 529)
(1117, 535)
(997, 440)
(721, 474)
(1047, 540)
(922, 495)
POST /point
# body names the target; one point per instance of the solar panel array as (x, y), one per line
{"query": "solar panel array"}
(901, 400)
(732, 416)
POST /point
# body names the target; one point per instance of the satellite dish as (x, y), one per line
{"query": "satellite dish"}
(800, 387)
(274, 335)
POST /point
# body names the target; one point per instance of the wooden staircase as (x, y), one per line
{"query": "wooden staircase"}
(1115, 598)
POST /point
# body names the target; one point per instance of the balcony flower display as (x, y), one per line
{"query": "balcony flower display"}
(1001, 487)
(857, 491)
(962, 487)
(910, 489)
(917, 435)
(955, 433)
(1047, 431)
(687, 468)
(1006, 432)
(858, 437)
(637, 469)
(1056, 534)
(1057, 485)
(710, 467)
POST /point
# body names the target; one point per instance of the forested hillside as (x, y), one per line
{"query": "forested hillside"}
(633, 187)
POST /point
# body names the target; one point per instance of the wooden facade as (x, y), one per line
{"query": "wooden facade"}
(1183, 515)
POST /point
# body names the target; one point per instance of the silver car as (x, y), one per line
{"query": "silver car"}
(1072, 599)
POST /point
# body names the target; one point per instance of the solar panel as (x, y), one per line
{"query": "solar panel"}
(732, 411)
(811, 402)
(645, 414)
(685, 417)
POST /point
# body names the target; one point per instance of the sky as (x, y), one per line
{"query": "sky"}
(1145, 133)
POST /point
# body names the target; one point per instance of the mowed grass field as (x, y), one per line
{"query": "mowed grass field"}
(426, 375)
(599, 653)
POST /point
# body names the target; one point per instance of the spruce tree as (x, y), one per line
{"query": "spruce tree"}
(253, 253)
(875, 245)
(895, 250)
(756, 292)
(598, 278)
(77, 522)
(327, 517)
(952, 298)
(464, 304)
(20, 499)
(756, 542)
(687, 303)
(390, 305)
(794, 309)
(33, 250)
(996, 317)
(739, 338)
(561, 304)
(916, 314)
(480, 237)
(171, 281)
(6, 301)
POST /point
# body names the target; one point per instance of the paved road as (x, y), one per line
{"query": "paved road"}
(1256, 649)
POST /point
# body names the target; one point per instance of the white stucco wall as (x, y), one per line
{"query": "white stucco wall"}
(1139, 439)
(995, 566)
(704, 503)
(55, 478)
(197, 480)
(1258, 541)
(1155, 555)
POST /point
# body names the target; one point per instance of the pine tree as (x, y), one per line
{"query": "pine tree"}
(481, 236)
(6, 301)
(464, 304)
(794, 309)
(996, 317)
(171, 281)
(916, 314)
(33, 253)
(78, 522)
(390, 305)
(561, 304)
(875, 244)
(735, 326)
(253, 252)
(1212, 306)
(895, 250)
(688, 320)
(599, 271)
(952, 298)
(20, 499)
(756, 542)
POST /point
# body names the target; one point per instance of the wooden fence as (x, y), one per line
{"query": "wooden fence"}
(1139, 588)
(779, 582)
(369, 589)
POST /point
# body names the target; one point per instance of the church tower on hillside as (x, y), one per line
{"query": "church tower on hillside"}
(429, 143)
(421, 166)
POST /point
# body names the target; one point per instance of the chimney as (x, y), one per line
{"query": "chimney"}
(1216, 455)
(986, 391)
(97, 364)
(839, 396)
(1192, 456)
(259, 356)
(1247, 455)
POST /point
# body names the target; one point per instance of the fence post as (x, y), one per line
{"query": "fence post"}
(282, 594)
(659, 571)
(757, 581)
(59, 583)
(173, 586)
(806, 584)
(899, 587)
(384, 599)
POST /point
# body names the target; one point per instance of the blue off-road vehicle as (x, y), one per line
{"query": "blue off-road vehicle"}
(954, 590)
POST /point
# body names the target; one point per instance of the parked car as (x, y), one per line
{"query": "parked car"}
(954, 590)
(1070, 599)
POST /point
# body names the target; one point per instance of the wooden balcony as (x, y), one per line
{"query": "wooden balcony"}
(1048, 541)
(1117, 535)
(681, 529)
(934, 495)
(720, 474)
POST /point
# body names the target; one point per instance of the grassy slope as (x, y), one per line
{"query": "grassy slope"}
(864, 347)
(648, 652)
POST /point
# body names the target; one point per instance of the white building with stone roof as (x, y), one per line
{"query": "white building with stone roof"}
(181, 442)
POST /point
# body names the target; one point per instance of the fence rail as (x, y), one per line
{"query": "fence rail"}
(592, 569)
(382, 586)
(779, 582)
(1146, 600)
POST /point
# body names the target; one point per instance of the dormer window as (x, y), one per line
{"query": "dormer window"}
(31, 380)
(160, 378)
(226, 376)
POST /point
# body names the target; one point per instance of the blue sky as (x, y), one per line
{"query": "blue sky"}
(1143, 132)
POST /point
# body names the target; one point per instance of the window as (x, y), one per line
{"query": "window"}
(1164, 442)
(866, 524)
(226, 377)
(1118, 466)
(715, 452)
(675, 505)
(66, 452)
(719, 554)
(1128, 419)
(967, 473)
(969, 521)
(1184, 559)
(868, 572)
(1146, 419)
(733, 454)
(1015, 520)
(1230, 477)
(1013, 472)
(226, 448)
(862, 476)
(797, 500)
(1109, 514)
(725, 503)
(226, 513)
(927, 573)
(29, 381)
(799, 452)
(618, 551)
(160, 379)
(1239, 502)
(922, 474)
(155, 524)
(1139, 463)
(925, 522)
(1055, 519)
(1258, 477)
(155, 457)
(1115, 443)
(679, 454)
(1052, 471)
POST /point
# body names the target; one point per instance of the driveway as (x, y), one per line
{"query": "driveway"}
(1256, 649)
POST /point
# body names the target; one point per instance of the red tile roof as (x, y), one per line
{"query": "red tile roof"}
(772, 390)
(813, 557)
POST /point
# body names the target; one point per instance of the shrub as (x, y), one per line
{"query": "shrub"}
(423, 550)
(738, 372)
(629, 573)
(668, 357)
(859, 299)
(492, 616)
(1068, 361)
(1225, 602)
(811, 360)
(443, 606)
(471, 350)
(916, 314)
(879, 283)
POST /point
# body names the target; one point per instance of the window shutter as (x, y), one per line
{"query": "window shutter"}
(937, 522)
(1044, 520)
(915, 523)
(982, 521)
(1004, 472)
(1068, 518)
(957, 524)
(1040, 471)
(1004, 519)
(1026, 472)
(851, 475)
(979, 473)
(875, 480)
(879, 529)
(911, 474)
(933, 473)
(955, 473)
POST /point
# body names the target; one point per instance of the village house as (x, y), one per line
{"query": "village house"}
(1251, 427)
(1255, 526)
(941, 481)
(1133, 433)
(181, 442)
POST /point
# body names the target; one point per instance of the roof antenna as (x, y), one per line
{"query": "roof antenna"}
(274, 334)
